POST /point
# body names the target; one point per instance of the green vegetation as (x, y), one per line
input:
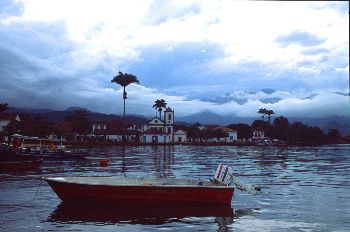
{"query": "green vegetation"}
(3, 107)
(79, 122)
(29, 126)
(244, 131)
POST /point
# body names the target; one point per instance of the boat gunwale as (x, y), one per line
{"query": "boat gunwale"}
(146, 185)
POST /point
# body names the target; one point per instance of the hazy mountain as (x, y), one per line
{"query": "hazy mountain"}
(28, 111)
(74, 108)
(212, 118)
(59, 116)
(341, 123)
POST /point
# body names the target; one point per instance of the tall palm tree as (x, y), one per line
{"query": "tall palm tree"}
(269, 113)
(124, 79)
(159, 105)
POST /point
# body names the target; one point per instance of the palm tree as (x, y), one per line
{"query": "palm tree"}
(262, 111)
(269, 113)
(159, 105)
(124, 79)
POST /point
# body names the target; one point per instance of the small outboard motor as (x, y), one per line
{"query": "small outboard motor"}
(224, 175)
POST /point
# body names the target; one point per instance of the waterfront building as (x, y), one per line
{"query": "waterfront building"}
(258, 135)
(231, 135)
(180, 136)
(159, 131)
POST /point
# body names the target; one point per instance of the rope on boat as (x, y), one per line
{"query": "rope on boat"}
(30, 202)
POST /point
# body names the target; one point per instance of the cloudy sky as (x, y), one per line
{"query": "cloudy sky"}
(227, 57)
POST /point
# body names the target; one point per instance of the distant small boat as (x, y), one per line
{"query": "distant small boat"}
(125, 191)
(20, 162)
(47, 148)
(21, 165)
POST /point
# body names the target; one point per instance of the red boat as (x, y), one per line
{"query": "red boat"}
(126, 191)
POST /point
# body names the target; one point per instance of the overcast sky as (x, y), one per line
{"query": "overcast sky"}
(228, 57)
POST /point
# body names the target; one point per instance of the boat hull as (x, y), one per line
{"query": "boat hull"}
(141, 194)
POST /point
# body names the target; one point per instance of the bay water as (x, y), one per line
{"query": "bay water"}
(303, 189)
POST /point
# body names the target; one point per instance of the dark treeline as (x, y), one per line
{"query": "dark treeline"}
(280, 128)
(77, 123)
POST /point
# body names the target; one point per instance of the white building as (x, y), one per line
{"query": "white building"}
(159, 131)
(99, 126)
(258, 135)
(231, 135)
(180, 136)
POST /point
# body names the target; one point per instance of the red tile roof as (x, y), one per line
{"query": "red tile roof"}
(8, 116)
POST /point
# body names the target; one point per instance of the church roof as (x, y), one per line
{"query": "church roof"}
(168, 109)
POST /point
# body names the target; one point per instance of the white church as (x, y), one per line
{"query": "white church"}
(162, 131)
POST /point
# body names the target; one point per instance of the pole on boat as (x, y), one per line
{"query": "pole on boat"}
(225, 176)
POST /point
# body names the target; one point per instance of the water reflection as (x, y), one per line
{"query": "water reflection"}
(144, 215)
(134, 214)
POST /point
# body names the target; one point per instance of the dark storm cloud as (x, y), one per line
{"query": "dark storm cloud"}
(312, 96)
(301, 38)
(315, 51)
(54, 57)
(32, 61)
(342, 94)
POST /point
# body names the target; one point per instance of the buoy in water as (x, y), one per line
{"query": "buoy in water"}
(104, 163)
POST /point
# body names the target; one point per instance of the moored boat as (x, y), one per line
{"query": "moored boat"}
(157, 191)
(18, 161)
(126, 190)
(47, 148)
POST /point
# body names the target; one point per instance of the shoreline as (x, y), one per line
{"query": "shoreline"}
(130, 144)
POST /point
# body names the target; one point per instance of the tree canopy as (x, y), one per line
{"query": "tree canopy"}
(159, 105)
(3, 107)
(267, 112)
(124, 79)
(80, 122)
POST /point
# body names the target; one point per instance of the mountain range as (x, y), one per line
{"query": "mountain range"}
(342, 123)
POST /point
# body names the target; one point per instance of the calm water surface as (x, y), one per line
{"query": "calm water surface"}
(304, 189)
